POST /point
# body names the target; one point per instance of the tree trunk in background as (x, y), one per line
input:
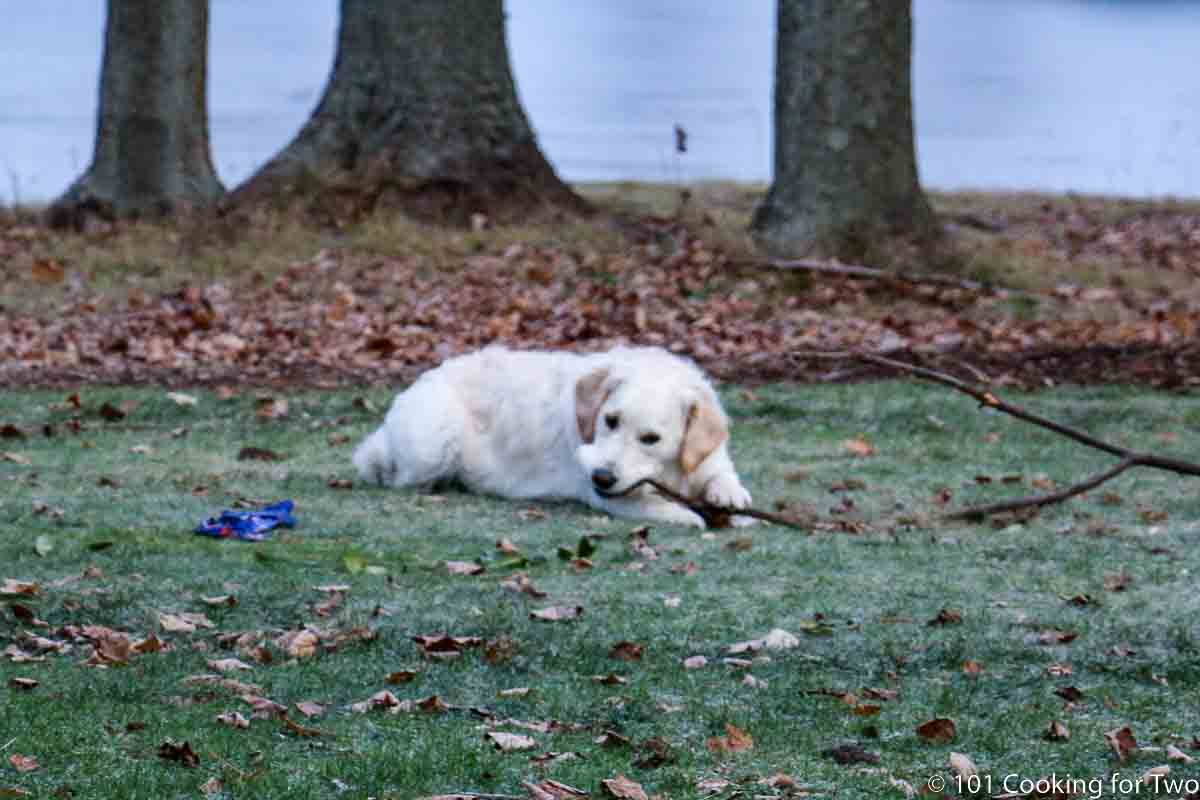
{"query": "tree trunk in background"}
(845, 163)
(420, 112)
(152, 150)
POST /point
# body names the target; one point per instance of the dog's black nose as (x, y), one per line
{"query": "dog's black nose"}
(603, 479)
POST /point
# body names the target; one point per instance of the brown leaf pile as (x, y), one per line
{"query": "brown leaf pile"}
(349, 316)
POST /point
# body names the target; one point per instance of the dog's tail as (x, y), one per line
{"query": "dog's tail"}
(373, 458)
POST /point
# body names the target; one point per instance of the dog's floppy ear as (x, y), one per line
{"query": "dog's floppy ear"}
(704, 432)
(590, 393)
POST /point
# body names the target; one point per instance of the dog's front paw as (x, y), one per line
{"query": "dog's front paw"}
(727, 491)
(672, 514)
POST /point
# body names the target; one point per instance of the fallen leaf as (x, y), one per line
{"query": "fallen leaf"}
(1071, 694)
(268, 407)
(12, 587)
(181, 399)
(15, 458)
(173, 623)
(611, 739)
(1121, 741)
(963, 766)
(779, 639)
(510, 742)
(939, 730)
(851, 754)
(1117, 581)
(310, 709)
(401, 676)
(111, 413)
(621, 788)
(258, 454)
(433, 705)
(625, 651)
(1056, 637)
(299, 644)
(1175, 754)
(859, 446)
(464, 568)
(149, 644)
(712, 786)
(228, 665)
(10, 431)
(557, 613)
(752, 682)
(735, 740)
(233, 719)
(179, 753)
(609, 680)
(47, 271)
(551, 757)
(1056, 732)
(947, 616)
(1154, 775)
(695, 662)
(296, 729)
(23, 763)
(24, 684)
(442, 646)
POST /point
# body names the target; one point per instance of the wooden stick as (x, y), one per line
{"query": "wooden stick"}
(1037, 501)
(988, 399)
(714, 516)
(873, 273)
(1129, 458)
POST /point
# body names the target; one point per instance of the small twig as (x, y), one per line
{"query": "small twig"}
(1037, 501)
(7, 745)
(714, 516)
(873, 273)
(1129, 458)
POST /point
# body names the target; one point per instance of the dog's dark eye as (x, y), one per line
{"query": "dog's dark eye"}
(649, 438)
(612, 421)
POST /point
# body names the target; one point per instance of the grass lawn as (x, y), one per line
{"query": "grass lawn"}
(1085, 615)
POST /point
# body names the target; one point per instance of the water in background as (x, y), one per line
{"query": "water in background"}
(1083, 95)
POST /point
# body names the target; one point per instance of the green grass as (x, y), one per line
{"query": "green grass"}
(860, 603)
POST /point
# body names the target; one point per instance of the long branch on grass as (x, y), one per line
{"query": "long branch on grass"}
(873, 273)
(713, 515)
(1129, 458)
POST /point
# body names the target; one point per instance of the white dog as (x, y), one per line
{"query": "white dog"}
(526, 424)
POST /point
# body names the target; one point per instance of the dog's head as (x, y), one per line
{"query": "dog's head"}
(644, 423)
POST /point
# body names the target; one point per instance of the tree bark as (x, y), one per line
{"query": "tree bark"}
(152, 149)
(845, 162)
(420, 112)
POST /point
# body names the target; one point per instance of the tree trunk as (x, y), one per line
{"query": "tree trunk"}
(420, 112)
(845, 163)
(152, 149)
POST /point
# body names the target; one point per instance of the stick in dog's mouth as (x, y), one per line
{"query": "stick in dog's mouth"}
(714, 516)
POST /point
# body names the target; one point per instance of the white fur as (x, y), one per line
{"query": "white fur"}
(504, 422)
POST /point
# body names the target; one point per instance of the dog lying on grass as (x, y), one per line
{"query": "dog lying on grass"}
(529, 424)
